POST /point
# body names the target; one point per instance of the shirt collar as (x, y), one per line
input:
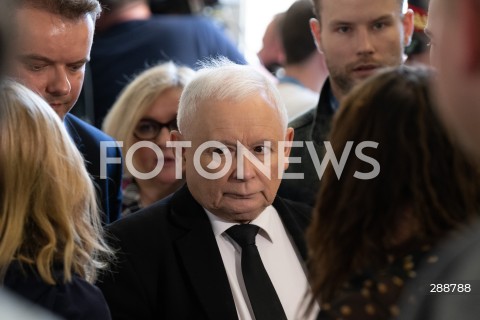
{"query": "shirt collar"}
(265, 221)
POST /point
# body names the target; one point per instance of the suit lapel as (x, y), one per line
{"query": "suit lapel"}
(323, 116)
(72, 131)
(201, 257)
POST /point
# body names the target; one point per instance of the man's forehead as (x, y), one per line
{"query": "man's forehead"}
(28, 15)
(254, 107)
(56, 38)
(358, 10)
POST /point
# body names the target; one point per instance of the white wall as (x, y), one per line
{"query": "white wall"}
(253, 20)
(245, 21)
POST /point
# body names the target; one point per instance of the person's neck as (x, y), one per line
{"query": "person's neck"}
(134, 11)
(311, 73)
(151, 191)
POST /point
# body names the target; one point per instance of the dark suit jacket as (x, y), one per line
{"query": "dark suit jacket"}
(169, 265)
(313, 126)
(87, 139)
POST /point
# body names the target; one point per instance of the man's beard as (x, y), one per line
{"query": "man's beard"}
(341, 79)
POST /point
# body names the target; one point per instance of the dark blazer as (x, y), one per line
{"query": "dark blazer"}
(313, 126)
(169, 265)
(87, 139)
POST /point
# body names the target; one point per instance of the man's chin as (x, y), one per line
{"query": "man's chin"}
(60, 109)
(240, 213)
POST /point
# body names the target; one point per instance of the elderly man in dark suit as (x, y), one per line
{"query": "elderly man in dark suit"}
(52, 44)
(188, 256)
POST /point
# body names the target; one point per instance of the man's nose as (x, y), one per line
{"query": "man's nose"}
(364, 42)
(58, 83)
(245, 171)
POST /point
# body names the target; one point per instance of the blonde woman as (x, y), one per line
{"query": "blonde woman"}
(50, 233)
(146, 110)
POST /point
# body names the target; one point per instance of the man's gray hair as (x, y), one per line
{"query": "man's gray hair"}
(219, 80)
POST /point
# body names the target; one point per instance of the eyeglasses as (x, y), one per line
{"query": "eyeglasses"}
(149, 129)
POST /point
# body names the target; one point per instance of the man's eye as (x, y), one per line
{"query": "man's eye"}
(261, 149)
(344, 29)
(75, 68)
(379, 26)
(36, 67)
(220, 151)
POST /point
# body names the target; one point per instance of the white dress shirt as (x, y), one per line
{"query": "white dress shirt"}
(279, 255)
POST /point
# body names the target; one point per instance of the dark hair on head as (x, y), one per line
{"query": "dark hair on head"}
(110, 5)
(318, 6)
(70, 9)
(425, 189)
(295, 32)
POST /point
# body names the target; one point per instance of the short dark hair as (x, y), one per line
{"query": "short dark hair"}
(111, 5)
(317, 6)
(70, 9)
(295, 32)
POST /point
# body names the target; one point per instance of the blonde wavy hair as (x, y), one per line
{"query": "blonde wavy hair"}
(138, 96)
(48, 209)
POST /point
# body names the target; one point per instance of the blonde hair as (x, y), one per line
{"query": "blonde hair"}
(138, 96)
(48, 209)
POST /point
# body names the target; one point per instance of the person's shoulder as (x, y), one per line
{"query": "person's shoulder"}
(296, 207)
(75, 299)
(83, 128)
(304, 120)
(79, 299)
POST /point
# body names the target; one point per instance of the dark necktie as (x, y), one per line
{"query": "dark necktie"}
(262, 295)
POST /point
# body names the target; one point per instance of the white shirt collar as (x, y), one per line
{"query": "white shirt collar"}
(264, 221)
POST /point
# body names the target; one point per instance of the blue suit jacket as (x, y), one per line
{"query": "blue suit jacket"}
(87, 138)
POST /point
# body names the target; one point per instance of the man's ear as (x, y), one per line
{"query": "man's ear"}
(316, 30)
(469, 20)
(288, 137)
(177, 136)
(408, 27)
